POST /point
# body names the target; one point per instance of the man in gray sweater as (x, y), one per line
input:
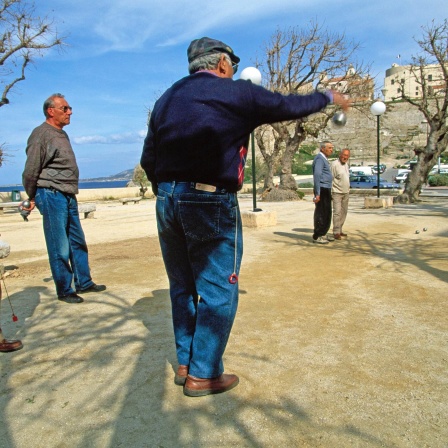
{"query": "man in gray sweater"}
(50, 179)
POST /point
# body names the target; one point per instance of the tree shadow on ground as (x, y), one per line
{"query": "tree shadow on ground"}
(428, 254)
(155, 412)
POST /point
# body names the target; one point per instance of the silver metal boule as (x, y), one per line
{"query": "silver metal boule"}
(339, 118)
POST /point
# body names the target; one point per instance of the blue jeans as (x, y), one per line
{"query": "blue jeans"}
(201, 240)
(66, 244)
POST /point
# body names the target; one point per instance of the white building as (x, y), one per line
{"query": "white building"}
(407, 78)
(357, 87)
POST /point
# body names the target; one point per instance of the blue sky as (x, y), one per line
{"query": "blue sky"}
(122, 54)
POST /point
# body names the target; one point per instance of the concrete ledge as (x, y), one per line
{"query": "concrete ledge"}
(259, 219)
(88, 210)
(135, 200)
(381, 202)
(8, 205)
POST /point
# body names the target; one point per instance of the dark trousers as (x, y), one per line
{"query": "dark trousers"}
(322, 214)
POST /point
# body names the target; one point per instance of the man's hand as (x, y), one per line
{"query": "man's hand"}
(340, 100)
(28, 207)
(316, 199)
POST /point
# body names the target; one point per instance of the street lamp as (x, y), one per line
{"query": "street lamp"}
(378, 108)
(253, 75)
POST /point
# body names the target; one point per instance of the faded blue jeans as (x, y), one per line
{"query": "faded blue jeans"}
(201, 240)
(66, 244)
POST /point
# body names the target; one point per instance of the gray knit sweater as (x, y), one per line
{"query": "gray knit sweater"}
(50, 162)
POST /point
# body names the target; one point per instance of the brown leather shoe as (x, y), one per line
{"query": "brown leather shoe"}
(337, 236)
(344, 234)
(198, 387)
(10, 345)
(181, 375)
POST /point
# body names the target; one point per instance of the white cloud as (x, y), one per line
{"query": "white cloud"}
(124, 25)
(113, 139)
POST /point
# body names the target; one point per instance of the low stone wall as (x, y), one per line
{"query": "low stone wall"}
(108, 194)
(361, 191)
(97, 194)
(103, 194)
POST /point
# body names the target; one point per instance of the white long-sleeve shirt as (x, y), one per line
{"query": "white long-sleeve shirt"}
(341, 177)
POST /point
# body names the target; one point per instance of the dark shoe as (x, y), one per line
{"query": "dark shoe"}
(337, 236)
(93, 288)
(10, 345)
(198, 387)
(344, 234)
(71, 298)
(181, 375)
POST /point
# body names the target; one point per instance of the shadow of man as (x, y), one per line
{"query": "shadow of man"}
(25, 303)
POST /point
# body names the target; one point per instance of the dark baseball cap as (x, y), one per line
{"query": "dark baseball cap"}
(205, 45)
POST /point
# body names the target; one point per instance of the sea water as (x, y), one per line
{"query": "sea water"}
(82, 185)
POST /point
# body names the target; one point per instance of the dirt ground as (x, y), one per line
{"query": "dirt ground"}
(343, 345)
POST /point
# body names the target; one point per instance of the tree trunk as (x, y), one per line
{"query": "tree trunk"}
(426, 159)
(271, 160)
(292, 143)
(269, 177)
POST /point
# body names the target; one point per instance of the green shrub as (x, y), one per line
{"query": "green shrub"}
(306, 185)
(438, 180)
(281, 195)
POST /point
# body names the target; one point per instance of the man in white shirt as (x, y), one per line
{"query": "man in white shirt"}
(340, 190)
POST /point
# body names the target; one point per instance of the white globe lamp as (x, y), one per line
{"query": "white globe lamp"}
(251, 74)
(378, 108)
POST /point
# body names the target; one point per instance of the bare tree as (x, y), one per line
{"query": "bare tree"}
(139, 177)
(23, 36)
(271, 149)
(433, 103)
(297, 62)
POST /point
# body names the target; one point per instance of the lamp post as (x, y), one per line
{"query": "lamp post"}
(253, 75)
(378, 108)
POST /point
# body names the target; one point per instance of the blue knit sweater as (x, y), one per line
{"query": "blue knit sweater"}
(322, 176)
(199, 128)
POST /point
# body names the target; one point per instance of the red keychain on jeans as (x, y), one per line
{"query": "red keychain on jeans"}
(233, 278)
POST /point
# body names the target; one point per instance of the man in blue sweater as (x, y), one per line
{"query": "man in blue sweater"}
(322, 178)
(194, 155)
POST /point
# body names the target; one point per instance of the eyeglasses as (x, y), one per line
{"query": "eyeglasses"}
(235, 67)
(63, 108)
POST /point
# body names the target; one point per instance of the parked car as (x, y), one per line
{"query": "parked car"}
(371, 182)
(382, 168)
(360, 171)
(401, 177)
(443, 169)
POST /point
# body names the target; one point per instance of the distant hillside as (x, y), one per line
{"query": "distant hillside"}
(123, 175)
